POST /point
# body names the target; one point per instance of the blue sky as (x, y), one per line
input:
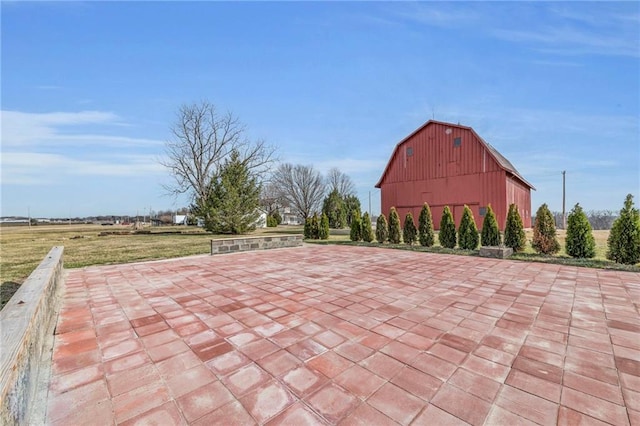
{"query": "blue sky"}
(90, 89)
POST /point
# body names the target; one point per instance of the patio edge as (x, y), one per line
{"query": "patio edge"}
(25, 323)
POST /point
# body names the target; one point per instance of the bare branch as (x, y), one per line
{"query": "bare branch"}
(201, 140)
(301, 187)
(340, 182)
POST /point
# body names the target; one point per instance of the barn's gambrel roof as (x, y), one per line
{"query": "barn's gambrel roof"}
(500, 159)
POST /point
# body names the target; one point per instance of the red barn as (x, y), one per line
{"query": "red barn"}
(447, 164)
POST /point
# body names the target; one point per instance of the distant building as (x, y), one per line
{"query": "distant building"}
(180, 219)
(447, 164)
(289, 217)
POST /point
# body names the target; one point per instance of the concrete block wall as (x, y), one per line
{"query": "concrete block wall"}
(230, 245)
(26, 324)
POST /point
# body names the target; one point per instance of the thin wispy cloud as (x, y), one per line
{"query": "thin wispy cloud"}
(545, 28)
(452, 16)
(31, 168)
(572, 41)
(20, 129)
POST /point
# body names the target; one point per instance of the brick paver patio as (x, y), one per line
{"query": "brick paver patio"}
(345, 335)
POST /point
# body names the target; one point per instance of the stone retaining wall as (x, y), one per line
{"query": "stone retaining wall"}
(230, 245)
(26, 324)
(496, 252)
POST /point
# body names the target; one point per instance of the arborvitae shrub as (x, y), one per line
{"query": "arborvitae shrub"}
(356, 228)
(367, 231)
(447, 234)
(468, 238)
(544, 232)
(514, 235)
(382, 229)
(315, 227)
(277, 217)
(307, 228)
(624, 239)
(272, 222)
(323, 232)
(409, 231)
(490, 235)
(425, 227)
(580, 241)
(394, 226)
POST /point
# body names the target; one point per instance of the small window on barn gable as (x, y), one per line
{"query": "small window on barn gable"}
(483, 211)
(457, 142)
(409, 151)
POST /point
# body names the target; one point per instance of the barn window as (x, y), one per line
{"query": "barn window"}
(457, 142)
(409, 151)
(483, 211)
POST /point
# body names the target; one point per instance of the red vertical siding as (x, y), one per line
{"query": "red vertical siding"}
(520, 195)
(428, 167)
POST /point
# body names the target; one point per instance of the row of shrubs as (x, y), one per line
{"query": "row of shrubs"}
(316, 228)
(466, 237)
(623, 242)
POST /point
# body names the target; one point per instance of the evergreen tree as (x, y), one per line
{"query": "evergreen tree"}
(468, 238)
(447, 234)
(277, 217)
(356, 229)
(233, 205)
(490, 235)
(352, 208)
(624, 239)
(382, 229)
(334, 207)
(367, 231)
(394, 226)
(544, 232)
(307, 228)
(580, 241)
(315, 227)
(323, 233)
(514, 235)
(425, 227)
(409, 231)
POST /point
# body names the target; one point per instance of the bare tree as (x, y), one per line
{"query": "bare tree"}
(601, 219)
(340, 182)
(270, 198)
(201, 140)
(302, 187)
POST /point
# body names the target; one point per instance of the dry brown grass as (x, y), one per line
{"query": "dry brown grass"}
(23, 248)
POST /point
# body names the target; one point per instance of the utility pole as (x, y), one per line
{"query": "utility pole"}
(564, 215)
(29, 214)
(369, 203)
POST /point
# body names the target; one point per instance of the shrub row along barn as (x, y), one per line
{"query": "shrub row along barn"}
(449, 164)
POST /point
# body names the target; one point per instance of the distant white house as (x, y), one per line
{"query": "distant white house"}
(262, 220)
(289, 217)
(180, 219)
